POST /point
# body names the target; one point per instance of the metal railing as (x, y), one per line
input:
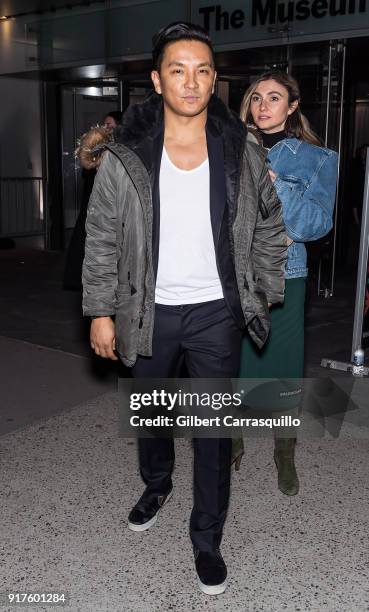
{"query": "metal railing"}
(21, 206)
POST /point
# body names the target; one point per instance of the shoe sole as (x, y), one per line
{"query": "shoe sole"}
(216, 589)
(151, 522)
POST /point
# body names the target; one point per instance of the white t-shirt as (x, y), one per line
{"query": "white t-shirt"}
(187, 270)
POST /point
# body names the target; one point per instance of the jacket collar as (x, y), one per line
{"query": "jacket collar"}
(141, 122)
(292, 143)
(144, 123)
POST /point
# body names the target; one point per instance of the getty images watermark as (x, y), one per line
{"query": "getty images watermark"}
(172, 401)
(224, 408)
(205, 407)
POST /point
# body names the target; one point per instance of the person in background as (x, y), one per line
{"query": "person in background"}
(72, 279)
(304, 175)
(112, 120)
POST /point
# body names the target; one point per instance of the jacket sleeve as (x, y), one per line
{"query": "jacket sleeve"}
(308, 215)
(269, 247)
(99, 273)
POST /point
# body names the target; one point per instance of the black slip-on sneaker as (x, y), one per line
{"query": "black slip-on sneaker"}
(211, 571)
(145, 513)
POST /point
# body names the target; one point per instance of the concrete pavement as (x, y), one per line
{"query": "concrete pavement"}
(68, 480)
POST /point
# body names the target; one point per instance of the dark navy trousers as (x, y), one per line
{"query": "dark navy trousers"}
(206, 338)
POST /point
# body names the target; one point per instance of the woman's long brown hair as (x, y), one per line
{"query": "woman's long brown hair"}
(297, 126)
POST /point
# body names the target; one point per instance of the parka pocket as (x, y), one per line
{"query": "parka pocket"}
(254, 300)
(127, 322)
(256, 311)
(122, 292)
(263, 209)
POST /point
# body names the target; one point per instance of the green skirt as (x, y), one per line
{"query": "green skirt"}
(282, 357)
(283, 353)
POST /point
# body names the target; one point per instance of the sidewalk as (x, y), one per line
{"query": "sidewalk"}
(69, 480)
(69, 483)
(38, 382)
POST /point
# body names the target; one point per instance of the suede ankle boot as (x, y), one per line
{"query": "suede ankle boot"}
(284, 457)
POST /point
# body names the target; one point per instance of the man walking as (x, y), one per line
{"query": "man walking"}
(185, 247)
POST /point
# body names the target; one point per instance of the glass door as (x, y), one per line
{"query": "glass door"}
(320, 71)
(82, 108)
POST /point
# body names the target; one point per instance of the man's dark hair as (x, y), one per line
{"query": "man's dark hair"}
(173, 33)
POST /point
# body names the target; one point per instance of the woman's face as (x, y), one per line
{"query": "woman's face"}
(269, 106)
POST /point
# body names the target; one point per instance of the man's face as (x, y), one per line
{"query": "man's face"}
(187, 77)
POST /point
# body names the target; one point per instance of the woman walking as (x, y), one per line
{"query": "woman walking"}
(304, 175)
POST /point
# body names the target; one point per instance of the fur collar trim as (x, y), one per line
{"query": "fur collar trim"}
(145, 120)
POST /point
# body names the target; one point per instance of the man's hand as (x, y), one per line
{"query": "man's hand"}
(102, 337)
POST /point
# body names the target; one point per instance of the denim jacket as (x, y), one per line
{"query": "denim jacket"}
(306, 186)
